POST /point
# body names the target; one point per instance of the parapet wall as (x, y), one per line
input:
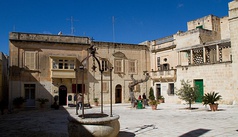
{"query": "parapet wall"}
(48, 38)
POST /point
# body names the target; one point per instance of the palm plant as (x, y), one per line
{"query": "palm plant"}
(42, 100)
(211, 98)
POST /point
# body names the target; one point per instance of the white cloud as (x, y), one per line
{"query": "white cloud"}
(180, 5)
(46, 32)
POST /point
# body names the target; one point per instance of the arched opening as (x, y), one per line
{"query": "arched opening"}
(62, 95)
(118, 94)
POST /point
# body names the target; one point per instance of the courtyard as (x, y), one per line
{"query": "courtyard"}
(169, 120)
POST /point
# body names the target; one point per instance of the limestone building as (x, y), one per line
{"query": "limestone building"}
(205, 54)
(3, 79)
(45, 66)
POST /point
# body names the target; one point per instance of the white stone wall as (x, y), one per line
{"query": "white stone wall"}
(233, 25)
(225, 31)
(215, 77)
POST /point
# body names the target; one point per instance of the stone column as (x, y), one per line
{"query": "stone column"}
(179, 58)
(217, 52)
(191, 56)
(204, 55)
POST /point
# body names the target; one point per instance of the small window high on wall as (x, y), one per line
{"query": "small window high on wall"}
(200, 27)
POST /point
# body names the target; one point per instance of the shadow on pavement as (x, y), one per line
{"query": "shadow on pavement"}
(195, 133)
(125, 134)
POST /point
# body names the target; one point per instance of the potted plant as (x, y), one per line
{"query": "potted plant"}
(153, 104)
(55, 105)
(211, 99)
(95, 101)
(42, 101)
(160, 99)
(18, 102)
(187, 92)
(151, 94)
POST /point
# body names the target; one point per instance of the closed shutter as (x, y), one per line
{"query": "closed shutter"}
(30, 60)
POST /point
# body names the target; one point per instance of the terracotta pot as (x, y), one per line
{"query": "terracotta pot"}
(213, 107)
(96, 103)
(161, 100)
(154, 107)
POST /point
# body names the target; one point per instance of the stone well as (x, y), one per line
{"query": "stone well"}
(93, 125)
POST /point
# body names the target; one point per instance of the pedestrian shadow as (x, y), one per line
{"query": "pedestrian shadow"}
(195, 133)
(217, 110)
(126, 134)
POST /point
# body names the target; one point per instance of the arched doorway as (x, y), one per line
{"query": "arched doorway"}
(62, 95)
(118, 92)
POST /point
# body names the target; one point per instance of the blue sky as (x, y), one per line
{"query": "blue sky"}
(135, 21)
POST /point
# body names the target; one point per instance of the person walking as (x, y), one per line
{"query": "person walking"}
(78, 102)
(144, 100)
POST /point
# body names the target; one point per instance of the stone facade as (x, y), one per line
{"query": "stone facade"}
(3, 79)
(233, 25)
(44, 66)
(206, 53)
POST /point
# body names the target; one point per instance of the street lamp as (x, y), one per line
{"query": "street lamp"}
(110, 91)
(81, 67)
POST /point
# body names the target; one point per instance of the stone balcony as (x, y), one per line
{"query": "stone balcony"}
(57, 73)
(164, 76)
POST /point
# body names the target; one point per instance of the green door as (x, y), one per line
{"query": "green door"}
(199, 84)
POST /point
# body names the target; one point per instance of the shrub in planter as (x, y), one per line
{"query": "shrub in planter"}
(42, 101)
(151, 94)
(153, 104)
(55, 105)
(160, 99)
(95, 101)
(18, 102)
(187, 92)
(211, 99)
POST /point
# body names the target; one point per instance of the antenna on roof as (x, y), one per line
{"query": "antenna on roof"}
(113, 31)
(72, 24)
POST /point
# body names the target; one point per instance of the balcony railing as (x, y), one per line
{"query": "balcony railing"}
(163, 74)
(60, 73)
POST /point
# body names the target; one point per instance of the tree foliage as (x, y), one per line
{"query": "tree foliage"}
(151, 94)
(187, 92)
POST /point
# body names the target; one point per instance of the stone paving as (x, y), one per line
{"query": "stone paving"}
(169, 120)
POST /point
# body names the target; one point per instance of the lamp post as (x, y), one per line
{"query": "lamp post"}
(110, 91)
(144, 73)
(81, 67)
(101, 90)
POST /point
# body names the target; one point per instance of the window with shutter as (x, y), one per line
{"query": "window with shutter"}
(137, 88)
(131, 66)
(104, 63)
(30, 60)
(118, 66)
(213, 56)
